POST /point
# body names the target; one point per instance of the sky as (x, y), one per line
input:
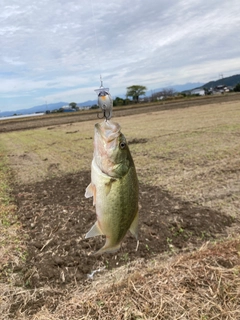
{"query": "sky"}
(55, 50)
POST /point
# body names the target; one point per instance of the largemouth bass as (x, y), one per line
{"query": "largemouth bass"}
(114, 187)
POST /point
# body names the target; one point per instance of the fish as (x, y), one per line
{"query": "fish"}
(114, 187)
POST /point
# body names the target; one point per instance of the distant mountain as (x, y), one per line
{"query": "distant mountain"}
(35, 109)
(187, 86)
(177, 87)
(228, 81)
(87, 103)
(44, 108)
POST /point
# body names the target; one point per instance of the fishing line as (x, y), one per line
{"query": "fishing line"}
(105, 101)
(96, 39)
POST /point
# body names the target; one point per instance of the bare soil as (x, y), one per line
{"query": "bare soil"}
(55, 216)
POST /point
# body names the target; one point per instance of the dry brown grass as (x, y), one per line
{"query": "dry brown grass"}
(200, 285)
(11, 248)
(11, 243)
(194, 286)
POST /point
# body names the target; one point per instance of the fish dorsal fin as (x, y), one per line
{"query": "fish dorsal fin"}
(94, 231)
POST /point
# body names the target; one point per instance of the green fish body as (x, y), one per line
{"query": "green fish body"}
(114, 187)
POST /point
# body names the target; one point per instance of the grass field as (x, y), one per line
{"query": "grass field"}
(188, 163)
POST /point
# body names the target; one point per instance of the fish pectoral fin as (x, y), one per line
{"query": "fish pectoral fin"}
(108, 185)
(134, 226)
(94, 231)
(91, 192)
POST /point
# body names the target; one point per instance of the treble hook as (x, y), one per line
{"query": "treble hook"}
(106, 114)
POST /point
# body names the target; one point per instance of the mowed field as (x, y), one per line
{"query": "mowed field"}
(188, 262)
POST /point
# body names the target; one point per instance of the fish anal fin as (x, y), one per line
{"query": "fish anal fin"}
(94, 231)
(134, 226)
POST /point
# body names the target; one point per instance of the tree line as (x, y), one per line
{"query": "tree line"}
(136, 91)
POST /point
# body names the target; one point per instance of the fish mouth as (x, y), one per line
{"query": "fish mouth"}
(108, 130)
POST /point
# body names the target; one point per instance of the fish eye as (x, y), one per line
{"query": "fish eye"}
(122, 144)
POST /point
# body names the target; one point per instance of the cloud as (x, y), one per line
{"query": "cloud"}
(53, 46)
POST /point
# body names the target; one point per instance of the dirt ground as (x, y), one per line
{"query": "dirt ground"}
(55, 216)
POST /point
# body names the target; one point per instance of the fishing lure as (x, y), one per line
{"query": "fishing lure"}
(105, 101)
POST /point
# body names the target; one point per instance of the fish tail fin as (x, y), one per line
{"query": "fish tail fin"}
(107, 248)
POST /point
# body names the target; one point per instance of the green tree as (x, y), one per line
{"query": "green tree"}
(118, 102)
(237, 88)
(73, 105)
(95, 106)
(136, 91)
